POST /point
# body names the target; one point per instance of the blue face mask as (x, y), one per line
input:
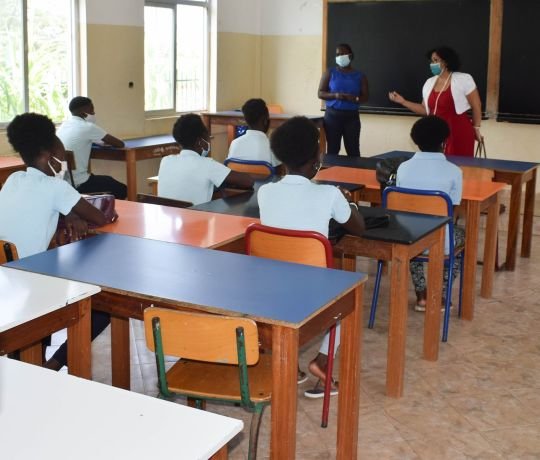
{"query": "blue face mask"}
(435, 68)
(206, 152)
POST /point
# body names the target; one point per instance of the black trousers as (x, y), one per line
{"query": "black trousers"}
(103, 184)
(344, 124)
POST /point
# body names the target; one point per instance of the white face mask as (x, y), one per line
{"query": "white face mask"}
(206, 152)
(63, 168)
(344, 60)
(91, 118)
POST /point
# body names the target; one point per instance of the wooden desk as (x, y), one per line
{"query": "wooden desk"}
(99, 421)
(9, 165)
(476, 197)
(34, 306)
(406, 236)
(176, 225)
(142, 148)
(135, 273)
(233, 118)
(517, 174)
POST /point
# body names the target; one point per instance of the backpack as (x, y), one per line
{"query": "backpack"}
(386, 170)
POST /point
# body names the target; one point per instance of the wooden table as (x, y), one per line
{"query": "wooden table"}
(33, 306)
(233, 118)
(517, 174)
(477, 196)
(9, 165)
(176, 225)
(406, 236)
(142, 148)
(99, 421)
(291, 303)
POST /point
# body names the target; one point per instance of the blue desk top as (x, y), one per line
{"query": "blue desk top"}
(140, 142)
(263, 289)
(498, 165)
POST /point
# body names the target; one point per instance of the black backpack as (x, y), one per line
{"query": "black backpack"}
(386, 170)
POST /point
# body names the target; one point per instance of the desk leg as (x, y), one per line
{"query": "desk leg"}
(397, 327)
(79, 359)
(349, 380)
(284, 369)
(322, 139)
(432, 320)
(471, 250)
(490, 248)
(221, 454)
(120, 352)
(32, 354)
(513, 223)
(131, 174)
(528, 215)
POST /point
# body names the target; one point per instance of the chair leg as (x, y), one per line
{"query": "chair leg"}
(254, 431)
(328, 382)
(448, 299)
(375, 297)
(461, 282)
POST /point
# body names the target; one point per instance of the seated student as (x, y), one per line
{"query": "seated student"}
(254, 144)
(77, 134)
(32, 200)
(430, 170)
(189, 175)
(296, 203)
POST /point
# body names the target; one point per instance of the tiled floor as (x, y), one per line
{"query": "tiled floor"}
(481, 400)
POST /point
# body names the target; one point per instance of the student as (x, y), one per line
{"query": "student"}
(190, 176)
(254, 144)
(296, 203)
(77, 134)
(32, 200)
(430, 170)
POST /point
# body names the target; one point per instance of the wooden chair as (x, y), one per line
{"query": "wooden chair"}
(8, 252)
(220, 361)
(70, 158)
(432, 202)
(302, 247)
(258, 168)
(153, 199)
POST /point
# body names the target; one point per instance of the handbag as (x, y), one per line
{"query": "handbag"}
(386, 171)
(480, 150)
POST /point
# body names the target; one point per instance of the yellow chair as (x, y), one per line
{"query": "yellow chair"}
(220, 361)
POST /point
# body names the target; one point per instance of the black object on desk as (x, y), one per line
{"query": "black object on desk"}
(349, 162)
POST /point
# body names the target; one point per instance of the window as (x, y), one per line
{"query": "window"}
(176, 56)
(36, 57)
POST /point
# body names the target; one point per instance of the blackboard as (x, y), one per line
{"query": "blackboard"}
(390, 40)
(519, 90)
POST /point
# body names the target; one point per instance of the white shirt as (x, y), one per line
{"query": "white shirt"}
(30, 202)
(253, 145)
(77, 135)
(432, 171)
(461, 85)
(190, 177)
(296, 203)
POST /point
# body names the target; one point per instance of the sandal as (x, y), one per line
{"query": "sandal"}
(318, 390)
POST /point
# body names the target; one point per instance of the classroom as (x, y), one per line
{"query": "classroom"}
(472, 396)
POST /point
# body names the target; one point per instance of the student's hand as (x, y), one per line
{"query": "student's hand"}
(346, 194)
(76, 228)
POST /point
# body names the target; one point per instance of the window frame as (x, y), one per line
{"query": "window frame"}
(172, 4)
(74, 74)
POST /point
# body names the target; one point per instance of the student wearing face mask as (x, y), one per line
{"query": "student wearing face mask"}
(190, 175)
(32, 200)
(78, 133)
(344, 89)
(449, 94)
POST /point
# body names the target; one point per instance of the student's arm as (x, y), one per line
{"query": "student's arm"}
(355, 225)
(239, 180)
(89, 213)
(113, 141)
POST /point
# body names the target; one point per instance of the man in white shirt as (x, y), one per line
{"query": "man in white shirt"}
(190, 175)
(77, 134)
(254, 144)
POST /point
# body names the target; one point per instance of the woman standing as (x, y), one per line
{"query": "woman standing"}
(344, 89)
(448, 95)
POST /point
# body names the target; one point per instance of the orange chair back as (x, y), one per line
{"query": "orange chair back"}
(8, 252)
(200, 337)
(479, 174)
(274, 108)
(301, 247)
(434, 205)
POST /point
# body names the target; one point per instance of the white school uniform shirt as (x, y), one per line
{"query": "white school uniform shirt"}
(253, 145)
(30, 203)
(296, 203)
(78, 135)
(190, 177)
(461, 85)
(432, 171)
